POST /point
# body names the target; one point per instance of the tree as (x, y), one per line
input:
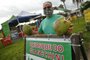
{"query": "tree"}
(61, 6)
(64, 3)
(77, 2)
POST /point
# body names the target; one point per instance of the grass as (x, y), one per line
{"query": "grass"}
(1, 45)
(14, 51)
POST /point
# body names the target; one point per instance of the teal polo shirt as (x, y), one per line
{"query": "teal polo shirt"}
(46, 26)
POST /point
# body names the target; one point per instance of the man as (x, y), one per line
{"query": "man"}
(46, 26)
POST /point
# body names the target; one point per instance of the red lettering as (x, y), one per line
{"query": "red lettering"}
(35, 52)
(50, 55)
(62, 57)
(45, 54)
(40, 53)
(57, 57)
(59, 48)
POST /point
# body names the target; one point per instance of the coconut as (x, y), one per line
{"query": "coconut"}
(27, 29)
(61, 26)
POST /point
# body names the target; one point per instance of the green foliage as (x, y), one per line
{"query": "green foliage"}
(80, 25)
(85, 5)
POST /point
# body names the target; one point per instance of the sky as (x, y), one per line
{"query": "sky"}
(14, 7)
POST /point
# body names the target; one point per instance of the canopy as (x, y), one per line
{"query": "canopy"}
(20, 19)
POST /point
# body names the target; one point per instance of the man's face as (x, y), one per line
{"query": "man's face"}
(48, 10)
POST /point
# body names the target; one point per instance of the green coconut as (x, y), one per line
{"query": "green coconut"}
(27, 29)
(61, 26)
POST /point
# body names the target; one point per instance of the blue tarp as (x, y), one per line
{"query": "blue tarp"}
(21, 19)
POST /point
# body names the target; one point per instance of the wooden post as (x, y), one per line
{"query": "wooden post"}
(82, 49)
(76, 46)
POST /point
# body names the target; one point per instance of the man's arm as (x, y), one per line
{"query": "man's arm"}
(40, 29)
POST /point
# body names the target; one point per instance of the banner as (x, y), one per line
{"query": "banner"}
(48, 49)
(6, 29)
